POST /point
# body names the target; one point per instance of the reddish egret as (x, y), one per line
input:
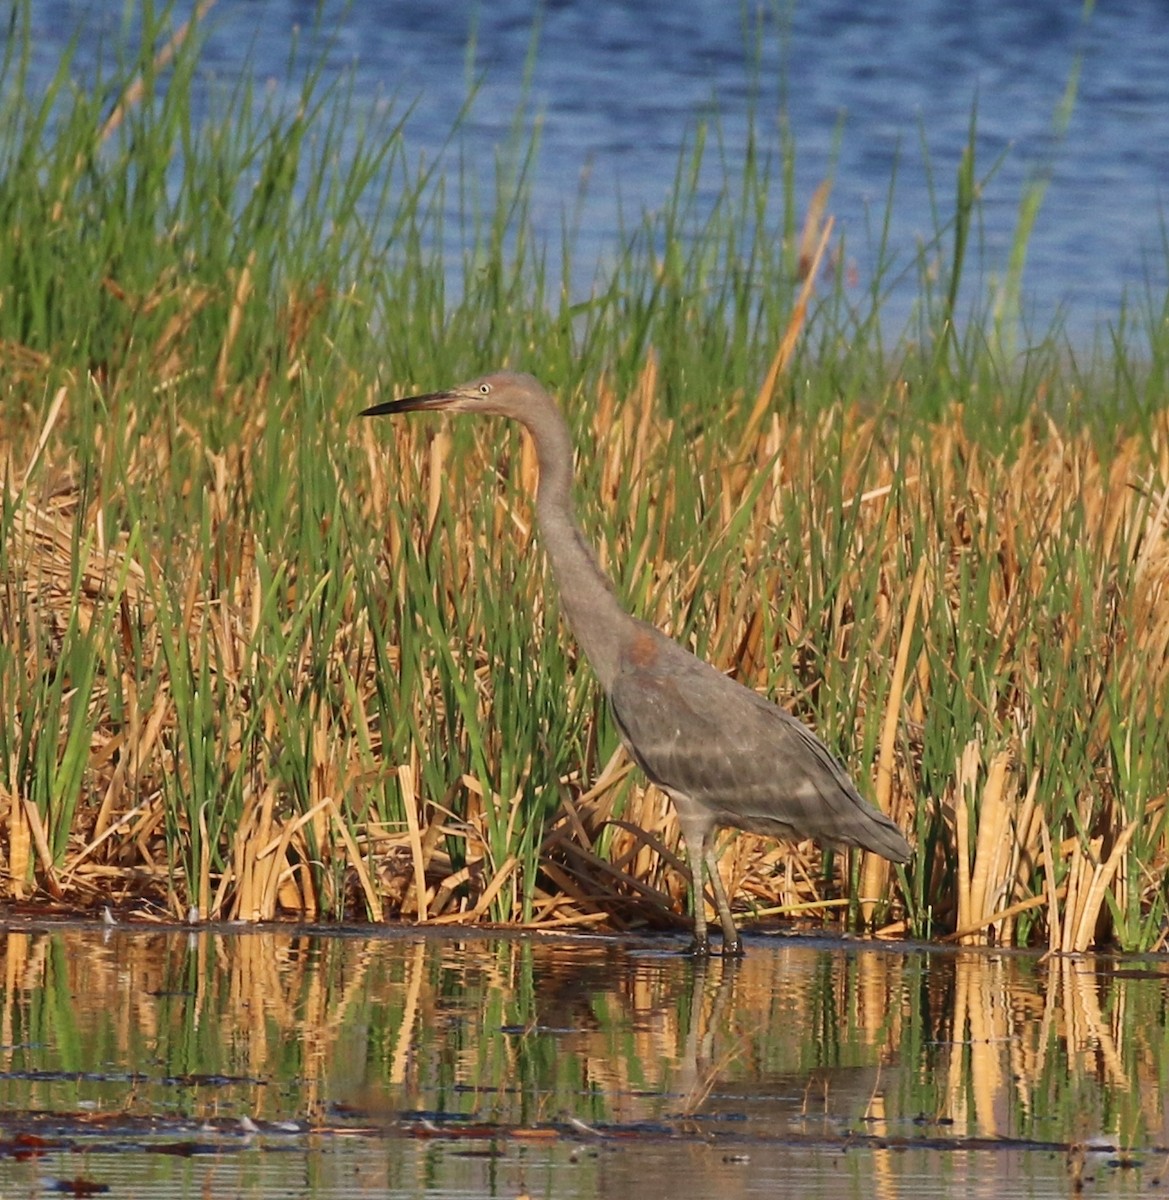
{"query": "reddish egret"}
(725, 756)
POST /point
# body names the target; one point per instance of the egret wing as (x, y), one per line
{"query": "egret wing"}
(750, 763)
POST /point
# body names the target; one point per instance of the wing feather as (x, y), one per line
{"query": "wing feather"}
(750, 763)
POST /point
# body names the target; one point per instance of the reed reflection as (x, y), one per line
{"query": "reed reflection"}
(801, 1039)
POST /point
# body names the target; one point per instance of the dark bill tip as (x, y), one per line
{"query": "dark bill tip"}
(388, 408)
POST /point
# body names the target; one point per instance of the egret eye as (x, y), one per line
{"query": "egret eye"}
(485, 389)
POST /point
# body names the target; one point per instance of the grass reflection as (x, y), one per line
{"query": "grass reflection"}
(801, 1038)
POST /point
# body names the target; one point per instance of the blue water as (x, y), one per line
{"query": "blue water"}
(872, 92)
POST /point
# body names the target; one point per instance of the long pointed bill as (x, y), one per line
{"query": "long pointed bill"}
(431, 400)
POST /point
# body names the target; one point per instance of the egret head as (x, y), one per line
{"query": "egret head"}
(502, 393)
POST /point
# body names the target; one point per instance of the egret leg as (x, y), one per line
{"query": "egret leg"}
(732, 943)
(700, 945)
(694, 838)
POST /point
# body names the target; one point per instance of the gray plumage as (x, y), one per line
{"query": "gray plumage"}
(724, 755)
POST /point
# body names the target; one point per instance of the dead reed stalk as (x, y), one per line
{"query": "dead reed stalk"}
(1002, 856)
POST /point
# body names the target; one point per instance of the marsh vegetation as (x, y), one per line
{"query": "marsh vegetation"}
(259, 659)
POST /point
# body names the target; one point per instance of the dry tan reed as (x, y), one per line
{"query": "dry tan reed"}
(920, 513)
